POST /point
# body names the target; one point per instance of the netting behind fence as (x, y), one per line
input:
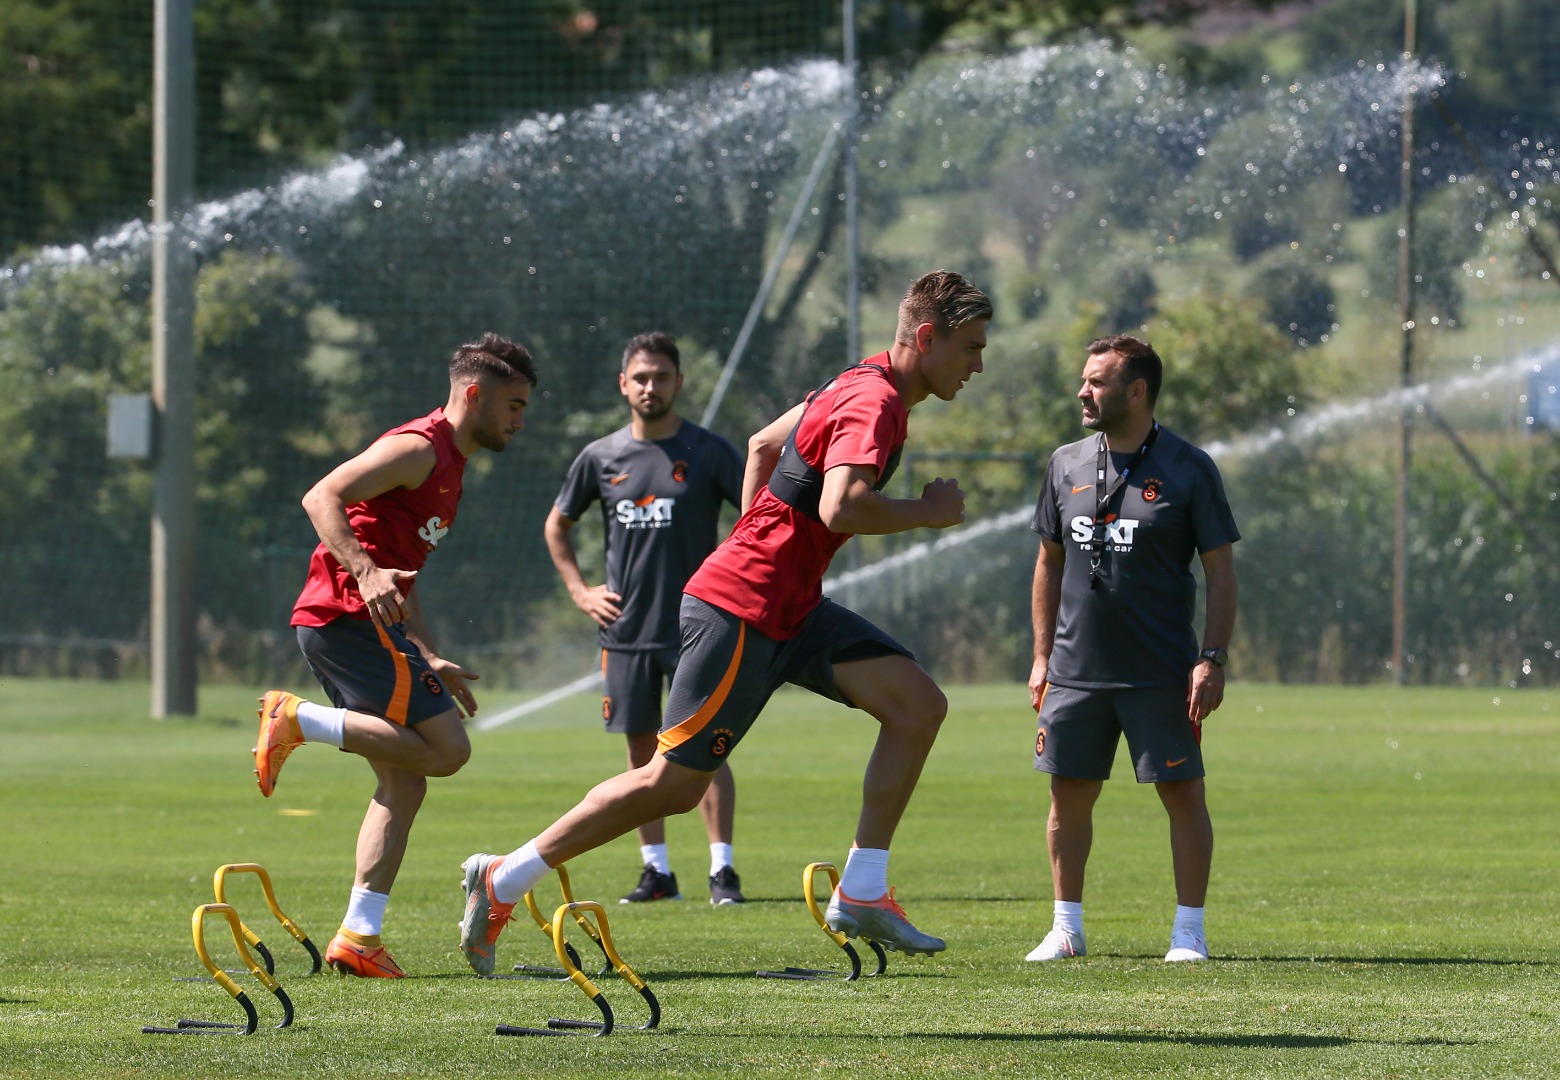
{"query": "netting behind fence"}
(578, 194)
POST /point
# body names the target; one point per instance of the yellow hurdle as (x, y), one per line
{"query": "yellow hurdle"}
(545, 925)
(219, 887)
(809, 893)
(601, 932)
(251, 1018)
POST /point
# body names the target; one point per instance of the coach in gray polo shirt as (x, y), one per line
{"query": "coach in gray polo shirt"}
(1120, 517)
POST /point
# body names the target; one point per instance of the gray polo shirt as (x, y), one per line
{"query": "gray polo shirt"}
(660, 505)
(1135, 628)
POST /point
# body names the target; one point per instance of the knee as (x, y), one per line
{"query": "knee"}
(919, 715)
(448, 760)
(1183, 797)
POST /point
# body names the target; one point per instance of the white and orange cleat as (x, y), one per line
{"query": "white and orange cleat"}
(279, 736)
(486, 915)
(882, 920)
(361, 955)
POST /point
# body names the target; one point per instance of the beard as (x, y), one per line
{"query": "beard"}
(653, 410)
(489, 439)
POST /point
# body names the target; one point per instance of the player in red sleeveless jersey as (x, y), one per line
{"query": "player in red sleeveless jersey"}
(394, 699)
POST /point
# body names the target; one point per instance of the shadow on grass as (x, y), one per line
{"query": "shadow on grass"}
(1409, 961)
(1226, 1042)
(1406, 961)
(691, 976)
(654, 977)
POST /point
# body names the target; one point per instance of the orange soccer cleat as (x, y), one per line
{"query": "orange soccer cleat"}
(361, 955)
(279, 735)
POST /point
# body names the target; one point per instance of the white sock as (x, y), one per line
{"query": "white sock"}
(1068, 916)
(321, 723)
(655, 855)
(1188, 918)
(866, 873)
(365, 912)
(518, 873)
(720, 858)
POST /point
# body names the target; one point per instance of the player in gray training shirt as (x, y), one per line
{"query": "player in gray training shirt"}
(660, 481)
(1120, 518)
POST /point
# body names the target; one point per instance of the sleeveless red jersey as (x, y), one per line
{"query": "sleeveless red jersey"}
(398, 529)
(770, 570)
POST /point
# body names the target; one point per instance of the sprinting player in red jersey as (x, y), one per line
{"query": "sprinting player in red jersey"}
(754, 617)
(395, 700)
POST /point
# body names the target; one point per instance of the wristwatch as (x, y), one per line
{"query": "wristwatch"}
(1216, 657)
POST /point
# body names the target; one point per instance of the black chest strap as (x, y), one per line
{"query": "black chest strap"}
(799, 485)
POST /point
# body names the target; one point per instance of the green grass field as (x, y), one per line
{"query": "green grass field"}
(1383, 903)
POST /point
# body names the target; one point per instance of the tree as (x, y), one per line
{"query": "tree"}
(1227, 370)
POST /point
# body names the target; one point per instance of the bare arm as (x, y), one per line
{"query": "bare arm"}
(399, 461)
(1205, 689)
(848, 504)
(764, 452)
(599, 602)
(1044, 602)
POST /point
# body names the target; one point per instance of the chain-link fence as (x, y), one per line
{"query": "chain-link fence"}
(378, 188)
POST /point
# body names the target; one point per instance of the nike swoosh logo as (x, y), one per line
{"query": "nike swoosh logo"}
(617, 479)
(1172, 764)
(443, 490)
(1081, 487)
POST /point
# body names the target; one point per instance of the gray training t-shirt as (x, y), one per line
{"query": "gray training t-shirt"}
(1135, 629)
(660, 504)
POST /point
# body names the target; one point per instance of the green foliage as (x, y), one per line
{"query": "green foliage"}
(1315, 564)
(71, 337)
(1227, 370)
(75, 90)
(1090, 189)
(1504, 50)
(1299, 301)
(1449, 231)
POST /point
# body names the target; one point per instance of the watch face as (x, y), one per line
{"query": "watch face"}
(1217, 657)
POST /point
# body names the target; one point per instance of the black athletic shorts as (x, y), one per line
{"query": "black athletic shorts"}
(1079, 731)
(729, 670)
(632, 681)
(371, 670)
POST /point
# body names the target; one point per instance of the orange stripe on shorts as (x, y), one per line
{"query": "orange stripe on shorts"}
(681, 733)
(401, 697)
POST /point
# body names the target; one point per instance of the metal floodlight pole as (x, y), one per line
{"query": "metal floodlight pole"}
(1405, 355)
(173, 364)
(852, 193)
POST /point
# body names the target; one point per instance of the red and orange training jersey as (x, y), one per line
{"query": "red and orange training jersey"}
(399, 528)
(770, 570)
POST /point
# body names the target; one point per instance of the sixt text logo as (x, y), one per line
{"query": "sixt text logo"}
(433, 532)
(1118, 532)
(646, 513)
